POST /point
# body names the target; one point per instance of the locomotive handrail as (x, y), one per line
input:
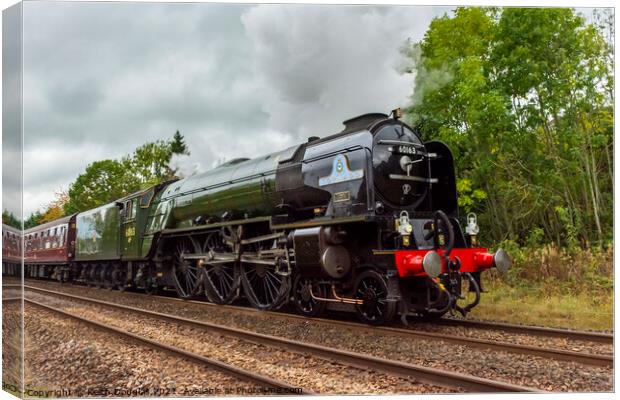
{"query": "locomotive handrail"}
(413, 178)
(333, 153)
(401, 143)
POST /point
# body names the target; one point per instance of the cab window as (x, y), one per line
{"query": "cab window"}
(128, 210)
(145, 200)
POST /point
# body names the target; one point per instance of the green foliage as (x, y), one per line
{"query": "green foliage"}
(107, 180)
(468, 196)
(33, 220)
(9, 219)
(102, 182)
(558, 270)
(524, 97)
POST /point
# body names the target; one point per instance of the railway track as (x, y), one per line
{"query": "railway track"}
(356, 360)
(599, 337)
(557, 354)
(11, 299)
(271, 385)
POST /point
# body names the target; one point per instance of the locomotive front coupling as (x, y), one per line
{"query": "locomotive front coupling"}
(444, 265)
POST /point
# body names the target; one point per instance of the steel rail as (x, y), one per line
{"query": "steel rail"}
(357, 360)
(11, 299)
(599, 337)
(228, 369)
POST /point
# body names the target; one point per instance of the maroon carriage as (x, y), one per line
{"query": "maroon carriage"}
(11, 250)
(49, 248)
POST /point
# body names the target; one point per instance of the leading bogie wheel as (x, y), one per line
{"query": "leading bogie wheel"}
(371, 287)
(305, 304)
(187, 274)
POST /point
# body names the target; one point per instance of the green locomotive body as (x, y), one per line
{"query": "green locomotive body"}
(241, 188)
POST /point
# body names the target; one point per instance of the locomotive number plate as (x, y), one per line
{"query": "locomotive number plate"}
(406, 150)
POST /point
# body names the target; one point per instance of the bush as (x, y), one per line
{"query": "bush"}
(558, 270)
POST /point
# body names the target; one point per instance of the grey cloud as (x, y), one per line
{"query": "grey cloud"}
(11, 110)
(81, 96)
(236, 80)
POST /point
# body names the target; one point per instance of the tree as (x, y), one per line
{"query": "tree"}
(9, 219)
(150, 163)
(108, 180)
(101, 183)
(56, 209)
(33, 220)
(521, 97)
(177, 145)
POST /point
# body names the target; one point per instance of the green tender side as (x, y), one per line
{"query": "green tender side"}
(98, 234)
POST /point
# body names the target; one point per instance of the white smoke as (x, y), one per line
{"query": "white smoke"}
(183, 166)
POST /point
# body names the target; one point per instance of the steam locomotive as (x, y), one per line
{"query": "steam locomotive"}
(364, 220)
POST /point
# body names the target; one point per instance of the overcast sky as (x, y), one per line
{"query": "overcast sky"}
(101, 79)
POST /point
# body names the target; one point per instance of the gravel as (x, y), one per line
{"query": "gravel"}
(11, 347)
(526, 370)
(63, 354)
(11, 293)
(303, 371)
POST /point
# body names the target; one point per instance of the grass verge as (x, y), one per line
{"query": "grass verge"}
(552, 287)
(538, 306)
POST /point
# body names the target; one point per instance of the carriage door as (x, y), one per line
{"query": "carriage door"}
(130, 242)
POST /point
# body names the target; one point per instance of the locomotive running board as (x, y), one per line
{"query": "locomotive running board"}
(199, 228)
(257, 239)
(321, 222)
